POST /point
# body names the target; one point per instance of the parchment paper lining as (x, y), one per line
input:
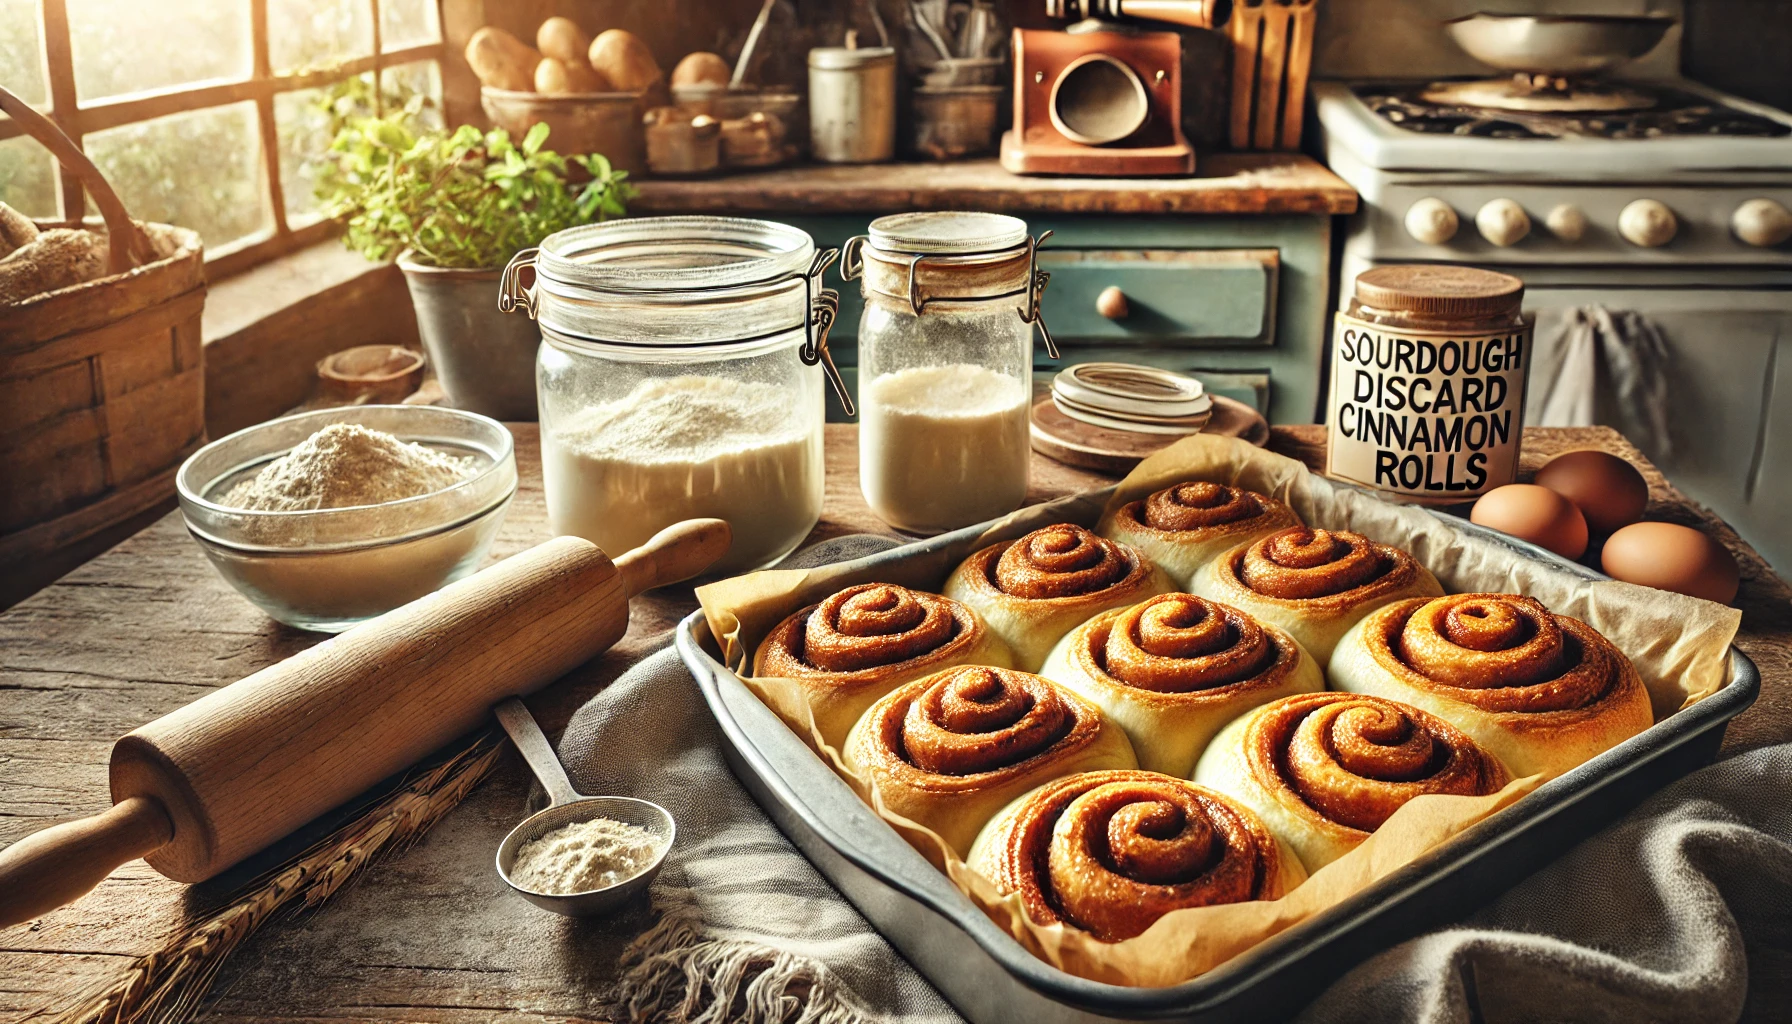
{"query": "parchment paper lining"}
(1679, 645)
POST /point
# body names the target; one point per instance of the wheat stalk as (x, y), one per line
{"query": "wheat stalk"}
(167, 986)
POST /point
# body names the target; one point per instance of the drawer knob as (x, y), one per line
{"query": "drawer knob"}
(1648, 223)
(1762, 222)
(1111, 303)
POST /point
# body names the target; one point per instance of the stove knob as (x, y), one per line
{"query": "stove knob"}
(1430, 220)
(1503, 222)
(1762, 222)
(1567, 223)
(1647, 223)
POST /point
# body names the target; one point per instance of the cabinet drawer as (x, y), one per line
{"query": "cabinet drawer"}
(1217, 297)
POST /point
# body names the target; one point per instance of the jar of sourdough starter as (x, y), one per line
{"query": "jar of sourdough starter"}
(680, 375)
(1429, 366)
(945, 365)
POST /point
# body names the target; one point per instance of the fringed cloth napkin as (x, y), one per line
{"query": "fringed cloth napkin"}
(1661, 917)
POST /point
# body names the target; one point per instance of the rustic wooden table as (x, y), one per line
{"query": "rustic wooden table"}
(431, 934)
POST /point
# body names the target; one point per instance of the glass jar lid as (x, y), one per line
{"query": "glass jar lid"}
(670, 281)
(947, 233)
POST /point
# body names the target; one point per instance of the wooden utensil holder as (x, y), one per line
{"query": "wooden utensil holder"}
(1272, 55)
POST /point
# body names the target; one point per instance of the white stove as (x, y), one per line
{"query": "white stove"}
(1655, 244)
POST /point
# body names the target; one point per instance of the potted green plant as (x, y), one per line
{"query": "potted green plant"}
(453, 207)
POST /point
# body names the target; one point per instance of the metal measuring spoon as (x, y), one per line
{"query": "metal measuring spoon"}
(566, 807)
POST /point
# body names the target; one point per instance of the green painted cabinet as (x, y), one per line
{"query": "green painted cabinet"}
(1240, 301)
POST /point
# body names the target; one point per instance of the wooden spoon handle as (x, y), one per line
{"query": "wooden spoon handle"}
(676, 553)
(60, 864)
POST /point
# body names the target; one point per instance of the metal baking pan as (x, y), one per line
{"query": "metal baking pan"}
(989, 977)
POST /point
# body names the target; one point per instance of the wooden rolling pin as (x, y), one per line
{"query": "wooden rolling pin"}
(196, 791)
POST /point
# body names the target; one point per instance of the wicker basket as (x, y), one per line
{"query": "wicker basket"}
(102, 384)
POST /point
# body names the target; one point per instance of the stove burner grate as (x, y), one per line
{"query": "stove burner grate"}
(1676, 113)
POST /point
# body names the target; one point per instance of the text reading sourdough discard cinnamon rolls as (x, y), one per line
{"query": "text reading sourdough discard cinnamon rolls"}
(950, 750)
(1184, 527)
(1175, 668)
(1111, 852)
(866, 640)
(1324, 770)
(1543, 692)
(1314, 583)
(1033, 590)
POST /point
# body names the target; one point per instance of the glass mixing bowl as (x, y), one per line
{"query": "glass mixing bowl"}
(329, 569)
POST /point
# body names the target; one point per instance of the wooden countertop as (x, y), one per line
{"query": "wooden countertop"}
(431, 934)
(1224, 183)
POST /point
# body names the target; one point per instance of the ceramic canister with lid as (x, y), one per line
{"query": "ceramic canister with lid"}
(852, 104)
(680, 375)
(1428, 374)
(945, 365)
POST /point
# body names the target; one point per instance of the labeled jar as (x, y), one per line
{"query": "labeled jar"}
(852, 104)
(680, 376)
(945, 365)
(1428, 375)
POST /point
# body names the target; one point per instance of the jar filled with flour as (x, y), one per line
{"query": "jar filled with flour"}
(680, 376)
(945, 365)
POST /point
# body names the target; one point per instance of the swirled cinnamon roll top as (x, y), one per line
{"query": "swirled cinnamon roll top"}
(1353, 759)
(1111, 852)
(1543, 692)
(866, 627)
(1180, 643)
(974, 721)
(1203, 507)
(1498, 652)
(1061, 561)
(1305, 564)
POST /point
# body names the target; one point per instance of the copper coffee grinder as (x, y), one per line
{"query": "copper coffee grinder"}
(1104, 96)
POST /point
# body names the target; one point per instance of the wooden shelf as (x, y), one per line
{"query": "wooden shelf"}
(1225, 183)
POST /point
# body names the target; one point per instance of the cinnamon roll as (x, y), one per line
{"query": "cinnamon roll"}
(1172, 670)
(1314, 583)
(951, 750)
(1184, 527)
(1033, 590)
(865, 641)
(1542, 691)
(1323, 770)
(1111, 852)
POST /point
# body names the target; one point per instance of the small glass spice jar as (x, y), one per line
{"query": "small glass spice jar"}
(945, 365)
(1428, 375)
(680, 375)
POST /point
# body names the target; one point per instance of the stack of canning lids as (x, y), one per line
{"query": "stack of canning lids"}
(1125, 396)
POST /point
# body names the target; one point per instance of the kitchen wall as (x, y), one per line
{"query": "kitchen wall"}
(1741, 46)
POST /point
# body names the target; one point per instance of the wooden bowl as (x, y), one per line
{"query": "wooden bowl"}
(370, 374)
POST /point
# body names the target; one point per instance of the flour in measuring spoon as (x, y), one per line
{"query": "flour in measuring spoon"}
(943, 446)
(686, 447)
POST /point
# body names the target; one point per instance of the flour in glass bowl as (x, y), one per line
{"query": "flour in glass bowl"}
(685, 447)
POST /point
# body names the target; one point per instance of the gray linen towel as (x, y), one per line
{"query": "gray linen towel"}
(1658, 918)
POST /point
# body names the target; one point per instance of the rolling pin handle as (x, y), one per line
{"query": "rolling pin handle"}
(62, 863)
(676, 553)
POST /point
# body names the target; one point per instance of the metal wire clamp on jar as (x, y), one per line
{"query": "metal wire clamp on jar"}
(679, 376)
(946, 364)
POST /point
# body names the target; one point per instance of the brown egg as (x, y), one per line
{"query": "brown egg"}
(1609, 491)
(1670, 557)
(1536, 514)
